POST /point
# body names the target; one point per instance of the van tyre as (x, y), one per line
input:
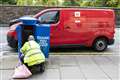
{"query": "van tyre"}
(100, 44)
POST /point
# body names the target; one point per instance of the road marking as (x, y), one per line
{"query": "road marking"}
(2, 44)
(2, 53)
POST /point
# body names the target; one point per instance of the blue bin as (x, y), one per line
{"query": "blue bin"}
(26, 20)
(19, 36)
(41, 32)
(42, 36)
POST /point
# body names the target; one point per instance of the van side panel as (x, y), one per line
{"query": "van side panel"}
(100, 24)
(82, 26)
(73, 30)
(90, 25)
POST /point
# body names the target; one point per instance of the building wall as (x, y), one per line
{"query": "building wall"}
(8, 13)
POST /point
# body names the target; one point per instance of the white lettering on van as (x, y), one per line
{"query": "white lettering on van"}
(77, 14)
(77, 21)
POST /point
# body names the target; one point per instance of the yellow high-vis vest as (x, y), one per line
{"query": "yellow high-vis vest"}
(32, 53)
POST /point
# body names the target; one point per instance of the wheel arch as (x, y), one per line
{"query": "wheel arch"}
(101, 37)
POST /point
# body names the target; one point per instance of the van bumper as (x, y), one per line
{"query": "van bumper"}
(111, 41)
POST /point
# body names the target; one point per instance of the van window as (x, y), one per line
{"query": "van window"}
(50, 17)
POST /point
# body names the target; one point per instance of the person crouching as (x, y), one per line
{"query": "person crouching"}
(32, 60)
(33, 57)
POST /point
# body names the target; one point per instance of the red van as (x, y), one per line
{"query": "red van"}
(75, 27)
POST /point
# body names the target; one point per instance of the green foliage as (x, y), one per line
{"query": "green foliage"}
(85, 3)
(0, 1)
(71, 3)
(44, 2)
(93, 3)
(52, 2)
(98, 3)
(118, 6)
(113, 3)
(81, 3)
(24, 2)
(37, 2)
(13, 2)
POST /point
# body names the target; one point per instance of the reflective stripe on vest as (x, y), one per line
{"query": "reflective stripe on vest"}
(32, 49)
(33, 55)
(37, 62)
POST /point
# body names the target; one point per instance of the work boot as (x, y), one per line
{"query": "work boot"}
(39, 68)
(42, 67)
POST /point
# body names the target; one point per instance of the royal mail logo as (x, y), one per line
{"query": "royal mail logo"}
(77, 14)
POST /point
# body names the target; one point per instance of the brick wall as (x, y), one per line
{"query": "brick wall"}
(8, 13)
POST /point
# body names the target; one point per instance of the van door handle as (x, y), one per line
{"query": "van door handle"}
(67, 27)
(51, 35)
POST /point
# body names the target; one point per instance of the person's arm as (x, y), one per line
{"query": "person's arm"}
(24, 47)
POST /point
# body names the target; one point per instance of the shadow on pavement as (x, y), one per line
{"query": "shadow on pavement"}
(71, 49)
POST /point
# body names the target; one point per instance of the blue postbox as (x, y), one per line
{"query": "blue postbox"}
(41, 33)
(42, 36)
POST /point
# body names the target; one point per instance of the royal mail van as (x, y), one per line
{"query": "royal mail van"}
(75, 27)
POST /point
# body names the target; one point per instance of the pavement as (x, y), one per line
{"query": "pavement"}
(69, 64)
(69, 67)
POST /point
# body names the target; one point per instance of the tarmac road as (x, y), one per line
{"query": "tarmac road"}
(80, 64)
(111, 49)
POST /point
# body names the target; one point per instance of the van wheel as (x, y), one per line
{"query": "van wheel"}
(100, 44)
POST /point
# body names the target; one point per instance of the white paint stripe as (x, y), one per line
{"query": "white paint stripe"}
(1, 44)
(2, 52)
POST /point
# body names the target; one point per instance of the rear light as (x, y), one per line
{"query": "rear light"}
(12, 33)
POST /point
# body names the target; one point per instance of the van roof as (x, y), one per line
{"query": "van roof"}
(85, 9)
(79, 9)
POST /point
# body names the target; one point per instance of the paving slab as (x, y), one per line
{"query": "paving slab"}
(90, 69)
(107, 67)
(69, 67)
(8, 62)
(71, 73)
(49, 74)
(6, 74)
(53, 62)
(113, 59)
(66, 60)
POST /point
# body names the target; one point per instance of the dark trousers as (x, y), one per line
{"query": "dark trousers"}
(38, 68)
